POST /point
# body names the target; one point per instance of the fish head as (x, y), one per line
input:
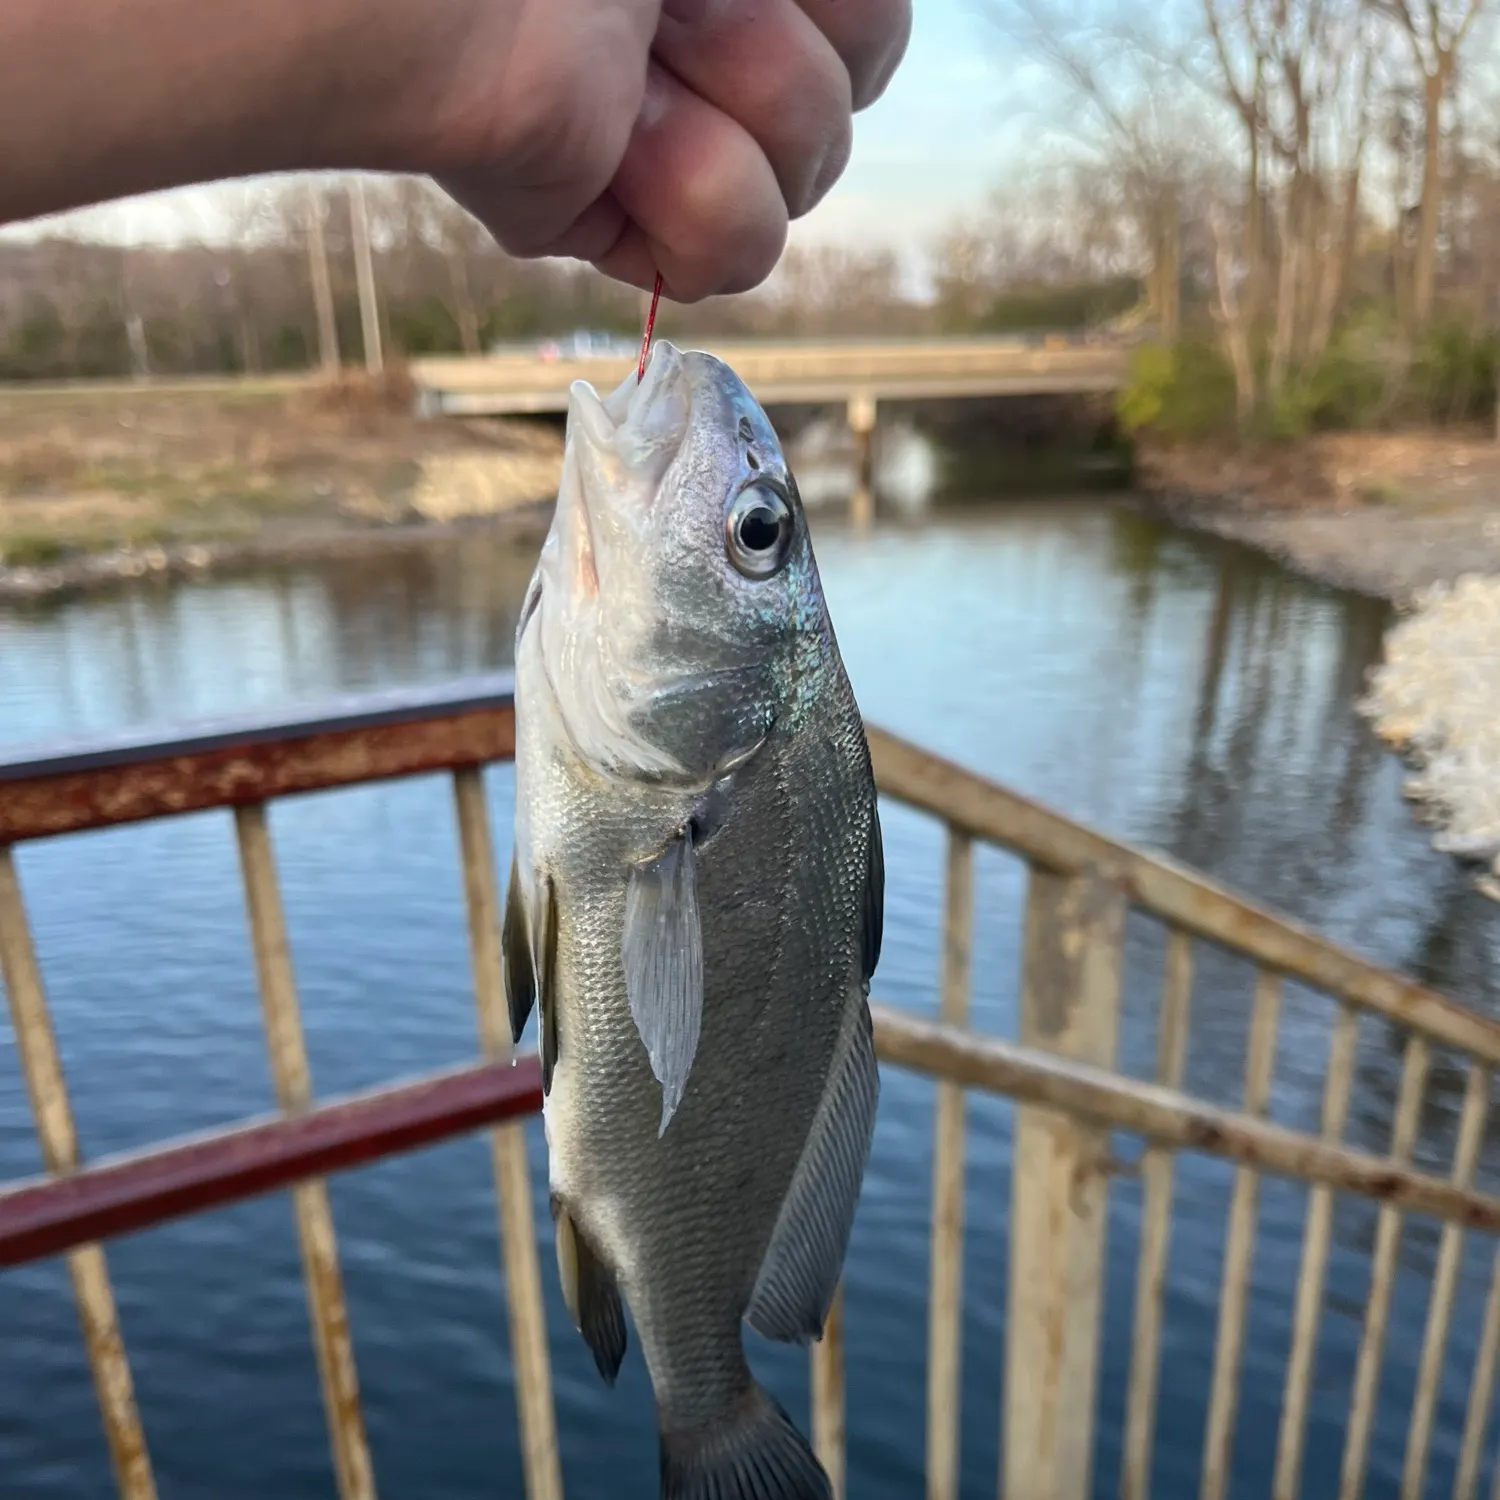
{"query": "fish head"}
(680, 611)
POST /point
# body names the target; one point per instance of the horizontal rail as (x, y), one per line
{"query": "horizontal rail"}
(221, 1167)
(1182, 897)
(227, 1166)
(1166, 1116)
(53, 790)
(343, 711)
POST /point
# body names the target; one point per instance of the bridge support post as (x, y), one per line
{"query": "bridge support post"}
(1070, 992)
(861, 416)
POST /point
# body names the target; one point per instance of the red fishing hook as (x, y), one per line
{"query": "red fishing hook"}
(640, 369)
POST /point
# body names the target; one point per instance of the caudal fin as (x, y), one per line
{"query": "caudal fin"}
(755, 1455)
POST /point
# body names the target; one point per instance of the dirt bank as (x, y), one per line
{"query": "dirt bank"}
(1382, 514)
(96, 487)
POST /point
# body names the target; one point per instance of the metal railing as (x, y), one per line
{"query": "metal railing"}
(1061, 1071)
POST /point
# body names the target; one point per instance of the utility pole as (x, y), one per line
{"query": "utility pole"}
(364, 272)
(317, 256)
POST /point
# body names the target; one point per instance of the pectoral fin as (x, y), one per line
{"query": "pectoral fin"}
(806, 1255)
(528, 961)
(662, 951)
(591, 1293)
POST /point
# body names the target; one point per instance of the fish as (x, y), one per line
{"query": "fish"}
(694, 911)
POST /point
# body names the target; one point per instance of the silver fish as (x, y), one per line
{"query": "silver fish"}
(695, 910)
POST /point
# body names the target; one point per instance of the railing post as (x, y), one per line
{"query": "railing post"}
(861, 415)
(58, 1137)
(1070, 988)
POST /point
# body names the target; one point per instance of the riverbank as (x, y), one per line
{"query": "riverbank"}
(1385, 515)
(95, 489)
(1413, 519)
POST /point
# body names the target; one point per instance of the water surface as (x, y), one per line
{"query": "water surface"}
(1177, 693)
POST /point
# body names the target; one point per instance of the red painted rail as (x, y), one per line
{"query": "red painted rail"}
(53, 789)
(109, 1198)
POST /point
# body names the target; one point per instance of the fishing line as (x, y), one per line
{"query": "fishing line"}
(640, 369)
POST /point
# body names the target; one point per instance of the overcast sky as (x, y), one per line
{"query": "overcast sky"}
(931, 148)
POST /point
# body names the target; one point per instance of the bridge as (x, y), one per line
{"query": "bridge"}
(858, 374)
(786, 374)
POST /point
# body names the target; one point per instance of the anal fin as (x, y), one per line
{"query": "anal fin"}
(805, 1258)
(591, 1293)
(662, 951)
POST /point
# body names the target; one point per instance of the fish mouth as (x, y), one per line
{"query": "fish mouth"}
(640, 420)
(618, 450)
(619, 447)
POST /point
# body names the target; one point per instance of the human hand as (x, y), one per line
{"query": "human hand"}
(677, 136)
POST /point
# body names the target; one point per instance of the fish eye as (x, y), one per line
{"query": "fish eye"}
(758, 530)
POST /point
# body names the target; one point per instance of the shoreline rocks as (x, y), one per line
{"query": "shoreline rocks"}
(1436, 700)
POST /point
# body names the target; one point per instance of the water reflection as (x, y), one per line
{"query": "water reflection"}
(1179, 693)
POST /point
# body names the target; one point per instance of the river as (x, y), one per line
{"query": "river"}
(1173, 691)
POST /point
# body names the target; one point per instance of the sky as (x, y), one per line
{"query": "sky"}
(929, 150)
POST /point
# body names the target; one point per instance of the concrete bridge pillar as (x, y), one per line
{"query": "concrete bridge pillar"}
(861, 417)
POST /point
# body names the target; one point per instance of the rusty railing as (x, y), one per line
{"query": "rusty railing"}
(1061, 1071)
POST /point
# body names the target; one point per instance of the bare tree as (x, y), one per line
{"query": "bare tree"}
(364, 273)
(1435, 32)
(1124, 110)
(317, 259)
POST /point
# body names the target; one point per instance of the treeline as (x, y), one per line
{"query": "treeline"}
(281, 290)
(1308, 191)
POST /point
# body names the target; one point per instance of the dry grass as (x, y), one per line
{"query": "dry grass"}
(82, 472)
(1423, 470)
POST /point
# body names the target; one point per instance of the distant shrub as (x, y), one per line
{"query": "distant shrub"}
(31, 551)
(1454, 373)
(1186, 391)
(1075, 305)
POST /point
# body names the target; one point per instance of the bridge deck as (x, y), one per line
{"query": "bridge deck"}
(786, 374)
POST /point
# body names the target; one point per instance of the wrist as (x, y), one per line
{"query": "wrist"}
(153, 94)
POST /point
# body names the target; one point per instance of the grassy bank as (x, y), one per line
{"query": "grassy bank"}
(86, 475)
(1376, 468)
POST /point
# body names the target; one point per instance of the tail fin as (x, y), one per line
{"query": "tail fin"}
(756, 1454)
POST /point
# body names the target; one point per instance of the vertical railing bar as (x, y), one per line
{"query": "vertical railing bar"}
(1481, 1386)
(58, 1137)
(828, 1396)
(1382, 1277)
(1224, 1395)
(523, 1278)
(1293, 1435)
(945, 1301)
(1157, 1169)
(1071, 965)
(1444, 1286)
(293, 1082)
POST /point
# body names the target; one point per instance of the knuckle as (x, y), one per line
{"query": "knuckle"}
(811, 127)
